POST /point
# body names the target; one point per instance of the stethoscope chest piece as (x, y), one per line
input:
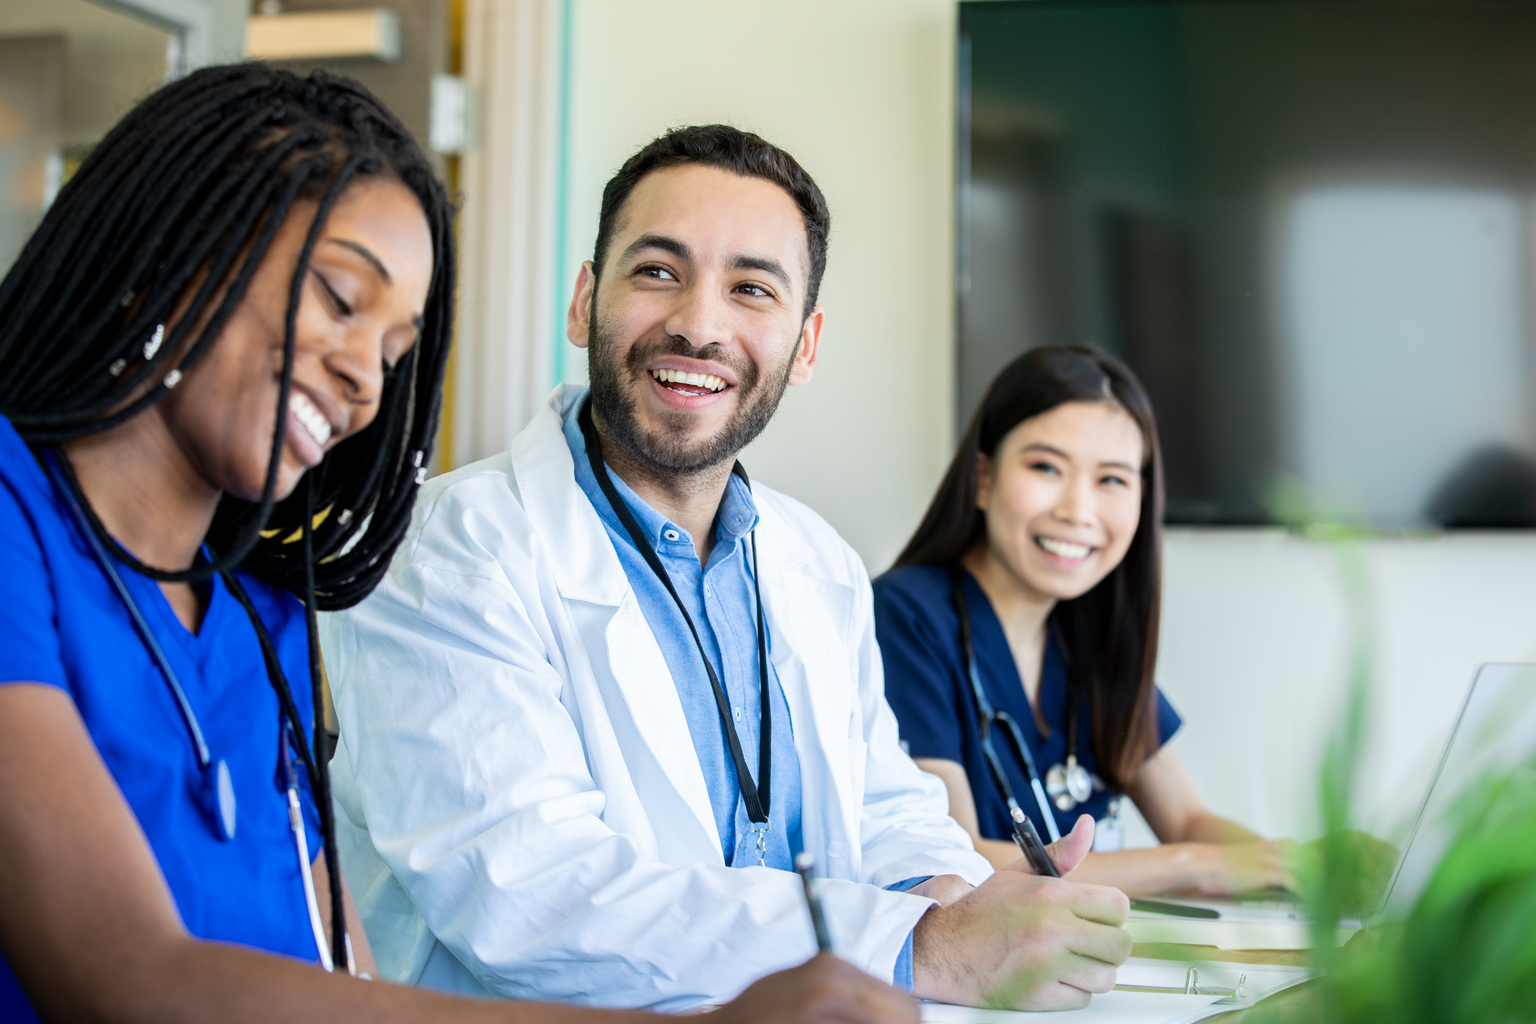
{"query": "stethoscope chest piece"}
(220, 798)
(1068, 784)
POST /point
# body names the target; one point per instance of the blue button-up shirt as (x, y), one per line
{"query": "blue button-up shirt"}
(721, 601)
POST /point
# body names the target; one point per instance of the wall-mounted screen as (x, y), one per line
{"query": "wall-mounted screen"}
(1308, 226)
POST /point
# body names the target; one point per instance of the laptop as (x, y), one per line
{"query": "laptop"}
(1495, 731)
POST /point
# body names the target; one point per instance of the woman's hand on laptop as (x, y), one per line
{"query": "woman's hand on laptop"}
(1221, 868)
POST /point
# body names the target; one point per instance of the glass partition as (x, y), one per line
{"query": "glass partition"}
(69, 69)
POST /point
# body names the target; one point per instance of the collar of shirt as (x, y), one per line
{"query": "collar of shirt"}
(736, 517)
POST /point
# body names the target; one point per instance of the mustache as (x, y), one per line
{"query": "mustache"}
(615, 382)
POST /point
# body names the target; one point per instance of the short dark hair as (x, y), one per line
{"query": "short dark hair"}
(730, 149)
(1108, 636)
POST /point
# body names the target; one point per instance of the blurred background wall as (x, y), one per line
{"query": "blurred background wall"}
(862, 93)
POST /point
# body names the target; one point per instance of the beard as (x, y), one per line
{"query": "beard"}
(668, 451)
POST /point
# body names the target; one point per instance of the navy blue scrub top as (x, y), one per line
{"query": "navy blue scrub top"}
(927, 686)
(64, 626)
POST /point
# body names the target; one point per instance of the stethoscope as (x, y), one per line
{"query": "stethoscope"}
(1067, 784)
(217, 796)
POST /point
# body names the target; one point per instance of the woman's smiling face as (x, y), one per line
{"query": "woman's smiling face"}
(1062, 497)
(360, 311)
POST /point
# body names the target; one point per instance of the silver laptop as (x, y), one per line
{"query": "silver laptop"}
(1495, 731)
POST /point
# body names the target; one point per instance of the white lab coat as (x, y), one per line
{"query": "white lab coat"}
(521, 809)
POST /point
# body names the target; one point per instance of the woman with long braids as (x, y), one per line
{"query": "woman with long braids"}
(221, 356)
(1019, 634)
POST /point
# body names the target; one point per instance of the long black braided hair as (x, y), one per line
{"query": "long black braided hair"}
(168, 219)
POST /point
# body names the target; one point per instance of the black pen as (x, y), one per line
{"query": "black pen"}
(1175, 909)
(1029, 843)
(805, 866)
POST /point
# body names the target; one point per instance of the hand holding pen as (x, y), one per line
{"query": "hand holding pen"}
(1071, 848)
(1030, 845)
(805, 867)
(1001, 942)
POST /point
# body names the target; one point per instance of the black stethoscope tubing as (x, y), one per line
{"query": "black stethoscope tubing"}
(218, 796)
(754, 795)
(987, 715)
(199, 744)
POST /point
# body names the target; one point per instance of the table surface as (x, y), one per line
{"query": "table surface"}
(1299, 1003)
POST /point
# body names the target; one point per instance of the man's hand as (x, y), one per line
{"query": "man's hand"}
(1068, 851)
(1020, 941)
(946, 889)
(825, 990)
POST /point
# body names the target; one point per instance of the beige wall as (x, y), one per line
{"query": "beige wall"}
(861, 92)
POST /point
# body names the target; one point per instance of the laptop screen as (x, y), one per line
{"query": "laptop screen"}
(1495, 732)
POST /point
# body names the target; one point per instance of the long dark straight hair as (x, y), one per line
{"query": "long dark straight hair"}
(176, 207)
(1108, 635)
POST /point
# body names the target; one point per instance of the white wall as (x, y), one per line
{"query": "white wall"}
(1253, 656)
(1253, 639)
(862, 93)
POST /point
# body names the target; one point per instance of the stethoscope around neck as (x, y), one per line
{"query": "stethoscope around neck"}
(216, 796)
(1067, 784)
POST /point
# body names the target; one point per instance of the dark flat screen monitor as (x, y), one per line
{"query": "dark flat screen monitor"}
(1309, 227)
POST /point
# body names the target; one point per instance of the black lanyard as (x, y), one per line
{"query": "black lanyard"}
(986, 715)
(754, 796)
(217, 795)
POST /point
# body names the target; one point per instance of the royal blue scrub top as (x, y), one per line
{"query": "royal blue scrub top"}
(65, 626)
(928, 688)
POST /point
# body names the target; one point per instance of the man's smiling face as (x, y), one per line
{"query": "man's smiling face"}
(698, 320)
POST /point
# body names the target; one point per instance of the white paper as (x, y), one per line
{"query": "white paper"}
(1108, 1008)
(1258, 980)
(1121, 1007)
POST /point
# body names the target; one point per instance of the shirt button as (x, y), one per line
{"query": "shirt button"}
(736, 713)
(670, 534)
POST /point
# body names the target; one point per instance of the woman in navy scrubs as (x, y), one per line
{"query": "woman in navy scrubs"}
(222, 356)
(1035, 576)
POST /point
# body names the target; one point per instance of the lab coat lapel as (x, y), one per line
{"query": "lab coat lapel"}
(808, 624)
(625, 658)
(583, 563)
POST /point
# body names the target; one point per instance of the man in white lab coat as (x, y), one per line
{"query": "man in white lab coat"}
(610, 688)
